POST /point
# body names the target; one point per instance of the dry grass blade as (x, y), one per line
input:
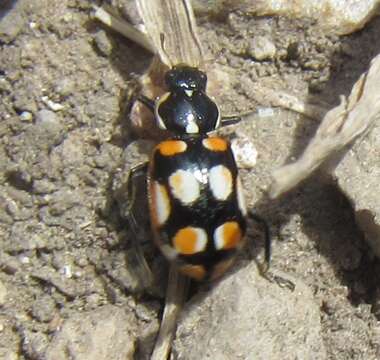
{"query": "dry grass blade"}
(285, 100)
(341, 125)
(124, 28)
(171, 26)
(175, 298)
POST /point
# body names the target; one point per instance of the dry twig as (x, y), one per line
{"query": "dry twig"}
(170, 24)
(340, 127)
(123, 28)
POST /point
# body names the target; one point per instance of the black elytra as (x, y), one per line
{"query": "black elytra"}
(196, 203)
(209, 167)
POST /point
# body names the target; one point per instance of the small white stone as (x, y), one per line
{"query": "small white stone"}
(67, 271)
(26, 116)
(51, 104)
(68, 17)
(245, 152)
(265, 112)
(24, 260)
(262, 48)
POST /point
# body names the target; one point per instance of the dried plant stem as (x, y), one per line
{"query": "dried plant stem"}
(124, 28)
(285, 100)
(340, 127)
(175, 298)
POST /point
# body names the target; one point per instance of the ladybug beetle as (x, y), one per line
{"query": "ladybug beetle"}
(196, 202)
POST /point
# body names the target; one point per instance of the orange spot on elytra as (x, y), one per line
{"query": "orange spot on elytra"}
(196, 272)
(215, 144)
(231, 234)
(171, 147)
(185, 241)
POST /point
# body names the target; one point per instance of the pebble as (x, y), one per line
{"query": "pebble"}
(43, 308)
(25, 103)
(51, 104)
(43, 186)
(26, 236)
(48, 130)
(26, 116)
(34, 344)
(8, 264)
(11, 24)
(103, 43)
(245, 152)
(46, 116)
(65, 87)
(262, 48)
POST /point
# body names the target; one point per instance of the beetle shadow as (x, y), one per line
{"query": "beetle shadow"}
(327, 221)
(130, 61)
(6, 6)
(327, 216)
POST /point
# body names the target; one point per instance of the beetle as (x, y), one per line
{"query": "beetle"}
(196, 201)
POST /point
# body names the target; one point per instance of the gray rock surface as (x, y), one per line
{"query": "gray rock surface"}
(103, 334)
(247, 317)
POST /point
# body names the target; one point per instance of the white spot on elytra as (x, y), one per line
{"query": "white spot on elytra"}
(189, 93)
(220, 182)
(184, 185)
(219, 238)
(240, 196)
(201, 242)
(162, 205)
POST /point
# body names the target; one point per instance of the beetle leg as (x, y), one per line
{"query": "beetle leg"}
(136, 258)
(264, 267)
(229, 120)
(137, 171)
(149, 103)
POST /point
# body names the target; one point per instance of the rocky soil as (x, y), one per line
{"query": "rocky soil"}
(67, 290)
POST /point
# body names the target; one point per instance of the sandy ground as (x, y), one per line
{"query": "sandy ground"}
(64, 277)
